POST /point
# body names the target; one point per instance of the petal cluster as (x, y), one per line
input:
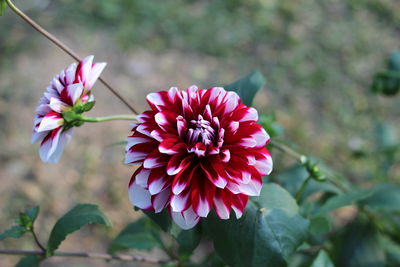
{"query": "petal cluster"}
(67, 90)
(198, 150)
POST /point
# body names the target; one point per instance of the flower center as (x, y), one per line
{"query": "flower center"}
(200, 130)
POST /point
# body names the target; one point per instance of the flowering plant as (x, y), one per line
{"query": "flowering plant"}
(203, 188)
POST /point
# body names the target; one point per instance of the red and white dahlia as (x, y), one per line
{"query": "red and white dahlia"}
(67, 92)
(197, 149)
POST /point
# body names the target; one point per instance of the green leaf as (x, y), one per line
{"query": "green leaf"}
(247, 87)
(265, 236)
(293, 177)
(392, 250)
(319, 225)
(3, 6)
(77, 217)
(343, 200)
(393, 63)
(274, 196)
(28, 217)
(322, 260)
(29, 261)
(88, 106)
(188, 240)
(135, 235)
(15, 232)
(358, 246)
(386, 197)
(163, 219)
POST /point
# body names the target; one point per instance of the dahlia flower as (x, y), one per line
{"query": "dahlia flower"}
(68, 93)
(197, 149)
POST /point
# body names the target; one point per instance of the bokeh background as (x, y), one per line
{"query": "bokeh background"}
(319, 58)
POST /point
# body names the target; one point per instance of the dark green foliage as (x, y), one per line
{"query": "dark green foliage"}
(267, 234)
(80, 215)
(388, 82)
(322, 260)
(15, 231)
(136, 235)
(358, 246)
(24, 224)
(29, 261)
(247, 87)
(188, 240)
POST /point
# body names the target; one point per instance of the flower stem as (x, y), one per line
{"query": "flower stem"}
(63, 47)
(94, 255)
(300, 193)
(108, 118)
(286, 149)
(37, 240)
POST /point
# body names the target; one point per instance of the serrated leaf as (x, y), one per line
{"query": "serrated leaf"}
(322, 260)
(265, 236)
(80, 215)
(247, 87)
(3, 6)
(15, 232)
(134, 236)
(29, 261)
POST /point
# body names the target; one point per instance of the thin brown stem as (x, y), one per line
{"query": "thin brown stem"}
(63, 47)
(93, 255)
(37, 240)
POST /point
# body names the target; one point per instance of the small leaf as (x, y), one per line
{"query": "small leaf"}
(135, 235)
(247, 87)
(28, 217)
(77, 217)
(322, 260)
(29, 261)
(88, 106)
(3, 6)
(15, 232)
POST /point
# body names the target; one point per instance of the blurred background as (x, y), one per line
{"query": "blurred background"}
(319, 58)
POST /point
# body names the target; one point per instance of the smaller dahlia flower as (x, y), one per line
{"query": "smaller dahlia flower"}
(68, 94)
(198, 150)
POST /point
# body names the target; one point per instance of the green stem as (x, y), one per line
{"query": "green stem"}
(300, 193)
(286, 149)
(63, 47)
(108, 118)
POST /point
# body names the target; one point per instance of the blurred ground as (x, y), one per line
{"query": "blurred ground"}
(319, 59)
